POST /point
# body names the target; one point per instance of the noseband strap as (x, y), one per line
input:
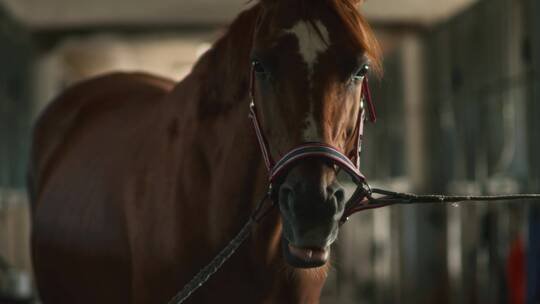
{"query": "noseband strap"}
(315, 150)
(319, 150)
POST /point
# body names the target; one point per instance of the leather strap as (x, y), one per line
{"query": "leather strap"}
(315, 150)
(263, 143)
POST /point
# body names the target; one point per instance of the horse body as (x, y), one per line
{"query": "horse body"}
(137, 183)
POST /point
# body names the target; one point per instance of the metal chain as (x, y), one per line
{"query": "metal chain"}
(209, 270)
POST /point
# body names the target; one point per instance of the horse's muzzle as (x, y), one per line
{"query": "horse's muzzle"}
(311, 211)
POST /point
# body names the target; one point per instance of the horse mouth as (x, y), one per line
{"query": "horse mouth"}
(304, 257)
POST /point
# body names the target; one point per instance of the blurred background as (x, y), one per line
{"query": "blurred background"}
(459, 110)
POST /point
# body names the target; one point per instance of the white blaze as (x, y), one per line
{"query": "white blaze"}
(311, 132)
(311, 44)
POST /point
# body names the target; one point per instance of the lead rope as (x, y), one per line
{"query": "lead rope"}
(209, 270)
(392, 198)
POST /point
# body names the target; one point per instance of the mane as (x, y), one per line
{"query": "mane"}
(224, 68)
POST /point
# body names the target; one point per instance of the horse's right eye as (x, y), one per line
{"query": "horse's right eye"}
(361, 72)
(258, 67)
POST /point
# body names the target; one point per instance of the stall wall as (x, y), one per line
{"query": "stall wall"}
(480, 84)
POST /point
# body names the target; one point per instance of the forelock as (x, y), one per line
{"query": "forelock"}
(360, 33)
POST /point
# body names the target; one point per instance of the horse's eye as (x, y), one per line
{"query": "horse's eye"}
(362, 72)
(258, 67)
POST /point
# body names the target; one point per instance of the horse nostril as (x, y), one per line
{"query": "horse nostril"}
(340, 195)
(286, 196)
(337, 192)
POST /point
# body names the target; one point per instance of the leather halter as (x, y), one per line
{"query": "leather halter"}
(319, 150)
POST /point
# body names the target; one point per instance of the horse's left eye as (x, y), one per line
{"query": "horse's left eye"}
(362, 72)
(258, 67)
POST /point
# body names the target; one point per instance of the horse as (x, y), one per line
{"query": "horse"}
(137, 182)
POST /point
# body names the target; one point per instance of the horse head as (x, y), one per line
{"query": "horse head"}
(310, 60)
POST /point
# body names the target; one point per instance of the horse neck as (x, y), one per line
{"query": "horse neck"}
(218, 146)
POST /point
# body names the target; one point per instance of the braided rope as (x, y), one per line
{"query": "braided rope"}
(209, 270)
(391, 198)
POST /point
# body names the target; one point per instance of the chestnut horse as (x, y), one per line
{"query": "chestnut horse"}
(137, 182)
